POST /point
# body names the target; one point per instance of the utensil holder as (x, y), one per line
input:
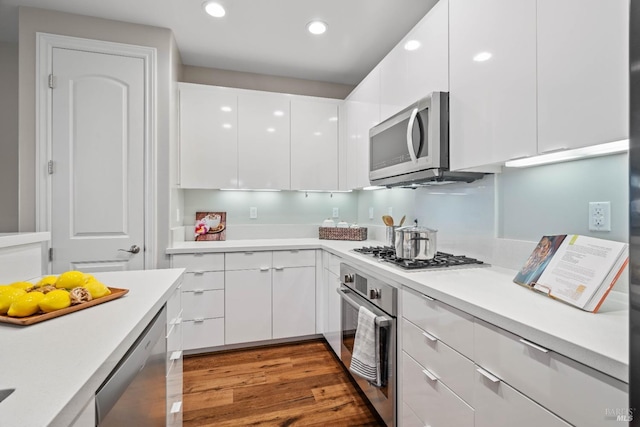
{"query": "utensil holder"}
(391, 235)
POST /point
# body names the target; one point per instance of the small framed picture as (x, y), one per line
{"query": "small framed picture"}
(211, 226)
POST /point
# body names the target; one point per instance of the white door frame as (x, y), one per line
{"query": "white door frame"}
(45, 43)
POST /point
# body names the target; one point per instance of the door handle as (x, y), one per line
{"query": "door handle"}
(134, 249)
(412, 119)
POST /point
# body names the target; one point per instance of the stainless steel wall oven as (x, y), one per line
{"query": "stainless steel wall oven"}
(359, 289)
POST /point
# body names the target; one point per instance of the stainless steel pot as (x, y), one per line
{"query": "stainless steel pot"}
(415, 243)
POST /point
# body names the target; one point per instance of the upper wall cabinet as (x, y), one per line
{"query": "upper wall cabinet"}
(208, 137)
(263, 141)
(363, 112)
(583, 73)
(418, 65)
(314, 145)
(492, 82)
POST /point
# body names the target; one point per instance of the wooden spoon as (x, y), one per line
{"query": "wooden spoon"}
(402, 220)
(388, 220)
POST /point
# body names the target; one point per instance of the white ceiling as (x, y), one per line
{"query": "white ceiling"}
(260, 36)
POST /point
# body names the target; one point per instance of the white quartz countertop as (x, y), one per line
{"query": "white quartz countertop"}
(57, 365)
(15, 239)
(597, 340)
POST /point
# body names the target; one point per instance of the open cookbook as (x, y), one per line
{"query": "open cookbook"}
(578, 270)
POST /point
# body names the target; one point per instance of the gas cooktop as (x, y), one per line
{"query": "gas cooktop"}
(441, 259)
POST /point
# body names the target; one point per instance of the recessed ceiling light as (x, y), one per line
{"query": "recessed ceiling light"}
(412, 45)
(317, 133)
(271, 130)
(214, 9)
(317, 27)
(482, 56)
(278, 113)
(226, 126)
(333, 119)
(226, 109)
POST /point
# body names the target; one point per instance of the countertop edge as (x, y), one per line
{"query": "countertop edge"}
(17, 239)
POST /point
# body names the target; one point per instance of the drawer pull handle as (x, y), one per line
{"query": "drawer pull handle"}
(175, 408)
(427, 298)
(176, 355)
(532, 345)
(198, 320)
(198, 291)
(429, 375)
(279, 268)
(248, 253)
(199, 254)
(198, 272)
(429, 337)
(488, 376)
(264, 268)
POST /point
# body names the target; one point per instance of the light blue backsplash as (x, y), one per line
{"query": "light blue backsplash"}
(520, 204)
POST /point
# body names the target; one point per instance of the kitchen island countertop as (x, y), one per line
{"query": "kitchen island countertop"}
(488, 293)
(57, 365)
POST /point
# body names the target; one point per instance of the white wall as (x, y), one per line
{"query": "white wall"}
(8, 137)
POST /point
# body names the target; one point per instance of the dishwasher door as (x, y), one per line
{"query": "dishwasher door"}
(135, 392)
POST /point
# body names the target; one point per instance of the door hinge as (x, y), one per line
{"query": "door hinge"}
(52, 81)
(50, 254)
(50, 167)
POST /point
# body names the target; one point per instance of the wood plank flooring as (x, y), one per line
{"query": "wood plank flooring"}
(300, 384)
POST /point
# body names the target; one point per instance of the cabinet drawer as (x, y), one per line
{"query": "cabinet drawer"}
(206, 281)
(409, 418)
(199, 262)
(247, 260)
(203, 305)
(449, 366)
(452, 326)
(575, 392)
(498, 405)
(332, 263)
(202, 334)
(174, 380)
(431, 400)
(294, 258)
(174, 307)
(174, 335)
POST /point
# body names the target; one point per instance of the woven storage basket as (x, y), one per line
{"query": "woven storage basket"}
(335, 233)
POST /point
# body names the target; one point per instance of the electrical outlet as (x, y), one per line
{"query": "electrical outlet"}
(600, 216)
(336, 212)
(371, 213)
(253, 213)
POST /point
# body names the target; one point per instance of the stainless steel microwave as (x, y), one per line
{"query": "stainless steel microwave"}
(412, 147)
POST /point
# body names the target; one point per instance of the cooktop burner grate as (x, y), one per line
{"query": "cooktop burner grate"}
(441, 259)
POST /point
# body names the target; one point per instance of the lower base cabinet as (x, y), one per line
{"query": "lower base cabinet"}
(293, 302)
(203, 333)
(248, 306)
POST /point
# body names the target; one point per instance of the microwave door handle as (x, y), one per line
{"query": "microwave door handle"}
(412, 119)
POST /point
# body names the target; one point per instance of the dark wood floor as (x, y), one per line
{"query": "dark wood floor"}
(285, 385)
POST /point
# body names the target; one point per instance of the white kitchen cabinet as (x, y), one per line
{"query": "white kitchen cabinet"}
(576, 393)
(583, 73)
(208, 137)
(293, 301)
(174, 358)
(314, 144)
(418, 65)
(363, 112)
(263, 141)
(492, 102)
(247, 306)
(498, 405)
(332, 301)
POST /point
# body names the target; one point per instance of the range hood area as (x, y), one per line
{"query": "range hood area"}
(427, 178)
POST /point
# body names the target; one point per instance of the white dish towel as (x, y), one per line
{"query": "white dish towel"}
(365, 360)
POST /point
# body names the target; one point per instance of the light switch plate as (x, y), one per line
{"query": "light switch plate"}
(336, 212)
(253, 213)
(371, 213)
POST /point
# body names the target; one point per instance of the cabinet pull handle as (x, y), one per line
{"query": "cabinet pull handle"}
(199, 254)
(532, 345)
(248, 253)
(429, 375)
(427, 298)
(198, 272)
(279, 268)
(488, 376)
(198, 320)
(198, 291)
(176, 355)
(175, 408)
(429, 337)
(264, 268)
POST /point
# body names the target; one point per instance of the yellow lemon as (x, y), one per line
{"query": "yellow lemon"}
(88, 277)
(25, 305)
(47, 280)
(55, 300)
(97, 289)
(4, 288)
(22, 285)
(6, 298)
(70, 279)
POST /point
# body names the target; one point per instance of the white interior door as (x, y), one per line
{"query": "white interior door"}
(97, 149)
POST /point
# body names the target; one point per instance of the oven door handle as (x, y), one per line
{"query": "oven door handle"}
(380, 320)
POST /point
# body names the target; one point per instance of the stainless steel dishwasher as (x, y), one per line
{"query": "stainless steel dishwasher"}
(134, 394)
